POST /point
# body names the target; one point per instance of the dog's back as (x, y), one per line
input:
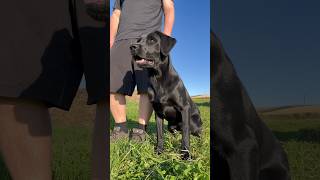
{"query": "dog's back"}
(236, 120)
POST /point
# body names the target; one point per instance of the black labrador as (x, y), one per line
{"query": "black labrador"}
(243, 146)
(167, 93)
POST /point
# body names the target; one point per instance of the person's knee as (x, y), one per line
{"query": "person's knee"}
(102, 110)
(32, 113)
(102, 104)
(116, 98)
(116, 95)
(144, 98)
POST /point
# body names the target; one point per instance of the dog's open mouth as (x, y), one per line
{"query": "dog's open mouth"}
(143, 62)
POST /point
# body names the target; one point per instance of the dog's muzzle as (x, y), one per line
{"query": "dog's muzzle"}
(134, 48)
(143, 62)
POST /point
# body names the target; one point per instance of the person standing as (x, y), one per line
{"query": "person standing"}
(45, 48)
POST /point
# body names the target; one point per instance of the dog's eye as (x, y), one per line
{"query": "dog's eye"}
(151, 40)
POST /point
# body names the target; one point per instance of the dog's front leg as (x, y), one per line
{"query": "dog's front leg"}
(186, 134)
(159, 121)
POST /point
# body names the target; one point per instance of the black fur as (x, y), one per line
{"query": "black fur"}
(167, 93)
(243, 146)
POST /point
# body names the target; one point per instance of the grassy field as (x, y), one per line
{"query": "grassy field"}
(130, 160)
(300, 136)
(72, 133)
(298, 128)
(71, 153)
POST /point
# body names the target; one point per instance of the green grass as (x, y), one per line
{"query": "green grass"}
(300, 136)
(72, 146)
(71, 153)
(131, 160)
(301, 140)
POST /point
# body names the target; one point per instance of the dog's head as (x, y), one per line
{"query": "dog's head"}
(195, 124)
(151, 51)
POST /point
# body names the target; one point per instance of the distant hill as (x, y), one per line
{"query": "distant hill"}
(82, 114)
(200, 97)
(291, 109)
(299, 111)
(135, 96)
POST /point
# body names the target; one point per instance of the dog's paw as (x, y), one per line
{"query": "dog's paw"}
(185, 155)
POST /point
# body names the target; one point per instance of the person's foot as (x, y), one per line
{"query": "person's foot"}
(117, 133)
(138, 135)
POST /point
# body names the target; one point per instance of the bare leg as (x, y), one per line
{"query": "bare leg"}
(118, 107)
(25, 139)
(99, 145)
(145, 109)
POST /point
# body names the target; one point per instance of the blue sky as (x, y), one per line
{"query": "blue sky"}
(191, 55)
(275, 47)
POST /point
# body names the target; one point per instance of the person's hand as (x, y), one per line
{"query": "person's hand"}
(169, 14)
(111, 43)
(167, 33)
(114, 24)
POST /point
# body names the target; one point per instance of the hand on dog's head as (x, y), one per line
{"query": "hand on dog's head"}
(152, 50)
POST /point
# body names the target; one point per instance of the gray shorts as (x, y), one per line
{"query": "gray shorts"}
(39, 60)
(124, 73)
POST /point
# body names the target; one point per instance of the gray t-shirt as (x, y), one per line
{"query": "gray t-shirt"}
(138, 17)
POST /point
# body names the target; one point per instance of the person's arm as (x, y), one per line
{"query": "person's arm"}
(114, 24)
(168, 9)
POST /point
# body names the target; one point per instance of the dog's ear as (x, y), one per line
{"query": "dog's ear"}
(166, 43)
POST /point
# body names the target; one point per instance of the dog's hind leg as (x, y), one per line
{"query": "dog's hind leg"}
(160, 140)
(186, 115)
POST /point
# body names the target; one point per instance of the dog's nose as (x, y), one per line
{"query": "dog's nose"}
(133, 47)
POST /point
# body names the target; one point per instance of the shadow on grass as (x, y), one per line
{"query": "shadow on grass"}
(302, 135)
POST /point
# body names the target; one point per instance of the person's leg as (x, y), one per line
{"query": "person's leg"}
(25, 139)
(118, 107)
(118, 111)
(122, 82)
(99, 143)
(145, 109)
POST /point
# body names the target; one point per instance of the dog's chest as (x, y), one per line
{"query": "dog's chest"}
(162, 105)
(156, 93)
(158, 108)
(165, 111)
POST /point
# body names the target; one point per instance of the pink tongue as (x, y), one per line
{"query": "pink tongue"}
(141, 61)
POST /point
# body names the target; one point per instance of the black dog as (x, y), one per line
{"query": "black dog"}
(168, 95)
(243, 146)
